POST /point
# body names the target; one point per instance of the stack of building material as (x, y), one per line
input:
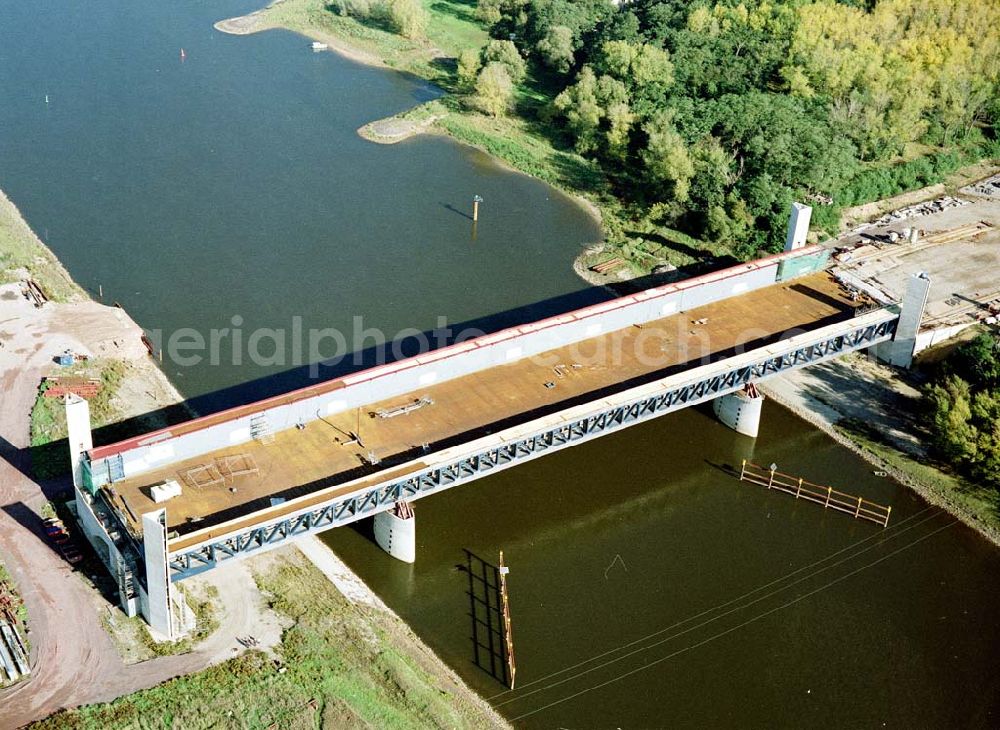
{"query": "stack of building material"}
(83, 387)
(13, 651)
(990, 187)
(920, 209)
(608, 266)
(164, 491)
(962, 233)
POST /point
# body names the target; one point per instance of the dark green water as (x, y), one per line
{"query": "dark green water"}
(649, 589)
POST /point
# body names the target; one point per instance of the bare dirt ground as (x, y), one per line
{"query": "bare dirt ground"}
(72, 658)
(855, 386)
(241, 610)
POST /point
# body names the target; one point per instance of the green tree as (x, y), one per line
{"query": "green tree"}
(355, 8)
(977, 362)
(488, 12)
(582, 110)
(494, 89)
(506, 53)
(409, 17)
(468, 68)
(954, 436)
(620, 121)
(556, 48)
(667, 162)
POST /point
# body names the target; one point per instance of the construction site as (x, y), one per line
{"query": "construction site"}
(171, 503)
(954, 239)
(175, 502)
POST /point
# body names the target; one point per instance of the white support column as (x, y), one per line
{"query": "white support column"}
(798, 226)
(396, 532)
(899, 351)
(154, 540)
(79, 436)
(740, 411)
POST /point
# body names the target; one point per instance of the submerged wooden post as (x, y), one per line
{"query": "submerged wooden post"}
(508, 634)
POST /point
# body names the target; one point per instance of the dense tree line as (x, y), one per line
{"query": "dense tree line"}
(715, 115)
(964, 408)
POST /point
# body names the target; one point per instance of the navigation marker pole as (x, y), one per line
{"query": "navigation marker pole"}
(476, 200)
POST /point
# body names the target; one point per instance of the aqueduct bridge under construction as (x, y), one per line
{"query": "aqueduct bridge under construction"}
(169, 504)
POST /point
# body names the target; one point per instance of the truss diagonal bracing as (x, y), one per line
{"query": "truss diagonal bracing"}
(579, 424)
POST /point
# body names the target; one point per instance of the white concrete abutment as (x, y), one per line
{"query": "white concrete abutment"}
(152, 596)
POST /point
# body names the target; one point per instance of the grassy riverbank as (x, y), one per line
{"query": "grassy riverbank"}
(536, 135)
(515, 140)
(977, 506)
(339, 665)
(23, 255)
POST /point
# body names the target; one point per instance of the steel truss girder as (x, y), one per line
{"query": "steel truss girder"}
(343, 510)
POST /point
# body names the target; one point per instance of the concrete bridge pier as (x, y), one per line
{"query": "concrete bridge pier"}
(900, 350)
(396, 532)
(740, 410)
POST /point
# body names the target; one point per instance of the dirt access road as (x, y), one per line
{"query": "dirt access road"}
(73, 659)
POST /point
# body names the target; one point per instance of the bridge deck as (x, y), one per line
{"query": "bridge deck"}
(298, 462)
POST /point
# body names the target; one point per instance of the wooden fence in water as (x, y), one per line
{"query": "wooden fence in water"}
(858, 507)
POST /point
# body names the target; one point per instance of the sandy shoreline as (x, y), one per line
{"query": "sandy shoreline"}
(393, 130)
(256, 22)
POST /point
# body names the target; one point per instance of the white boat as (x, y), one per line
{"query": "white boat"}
(317, 46)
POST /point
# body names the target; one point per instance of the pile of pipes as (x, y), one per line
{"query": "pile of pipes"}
(13, 652)
(990, 187)
(34, 293)
(929, 207)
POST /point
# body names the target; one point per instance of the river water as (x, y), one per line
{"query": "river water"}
(232, 184)
(648, 587)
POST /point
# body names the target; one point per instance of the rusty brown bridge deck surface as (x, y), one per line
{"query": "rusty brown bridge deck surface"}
(299, 462)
